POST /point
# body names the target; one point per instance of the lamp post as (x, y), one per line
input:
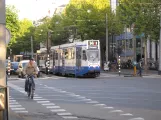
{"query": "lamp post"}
(106, 38)
(159, 71)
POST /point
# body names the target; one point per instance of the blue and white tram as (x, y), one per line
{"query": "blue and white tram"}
(79, 58)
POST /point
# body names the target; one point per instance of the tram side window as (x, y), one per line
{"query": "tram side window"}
(73, 53)
(66, 54)
(84, 55)
(56, 56)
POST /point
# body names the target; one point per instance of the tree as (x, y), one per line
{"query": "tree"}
(12, 23)
(24, 34)
(88, 16)
(144, 15)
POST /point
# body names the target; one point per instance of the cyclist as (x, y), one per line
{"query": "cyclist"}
(30, 70)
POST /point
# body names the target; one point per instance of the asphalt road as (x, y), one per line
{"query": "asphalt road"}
(104, 98)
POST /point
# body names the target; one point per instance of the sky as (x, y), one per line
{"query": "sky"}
(35, 9)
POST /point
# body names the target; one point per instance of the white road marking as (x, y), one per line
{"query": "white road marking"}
(64, 113)
(43, 101)
(126, 114)
(116, 111)
(15, 105)
(99, 105)
(86, 99)
(81, 97)
(137, 118)
(48, 104)
(70, 117)
(12, 100)
(21, 111)
(109, 107)
(92, 102)
(17, 108)
(39, 99)
(58, 110)
(52, 107)
(63, 91)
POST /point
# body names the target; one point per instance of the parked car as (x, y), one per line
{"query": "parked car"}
(14, 67)
(21, 66)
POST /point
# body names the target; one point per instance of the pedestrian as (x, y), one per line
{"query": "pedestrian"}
(140, 68)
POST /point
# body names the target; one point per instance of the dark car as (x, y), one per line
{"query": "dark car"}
(14, 67)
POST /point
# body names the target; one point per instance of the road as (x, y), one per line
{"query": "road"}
(104, 98)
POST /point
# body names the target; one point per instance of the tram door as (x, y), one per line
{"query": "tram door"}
(78, 58)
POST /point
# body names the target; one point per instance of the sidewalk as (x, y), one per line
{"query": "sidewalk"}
(131, 72)
(14, 116)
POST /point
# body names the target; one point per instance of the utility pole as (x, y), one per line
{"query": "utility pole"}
(32, 53)
(125, 40)
(3, 78)
(48, 52)
(106, 38)
(159, 71)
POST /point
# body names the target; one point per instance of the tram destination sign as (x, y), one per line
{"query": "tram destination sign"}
(93, 44)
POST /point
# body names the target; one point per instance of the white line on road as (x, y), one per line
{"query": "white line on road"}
(58, 110)
(13, 103)
(48, 104)
(137, 118)
(109, 107)
(43, 101)
(37, 97)
(17, 108)
(21, 111)
(92, 102)
(12, 100)
(126, 114)
(99, 105)
(40, 99)
(116, 111)
(64, 113)
(52, 107)
(70, 117)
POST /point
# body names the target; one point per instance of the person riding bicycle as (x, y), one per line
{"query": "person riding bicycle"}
(30, 70)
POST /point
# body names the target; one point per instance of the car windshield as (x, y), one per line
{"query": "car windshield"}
(24, 64)
(93, 55)
(15, 63)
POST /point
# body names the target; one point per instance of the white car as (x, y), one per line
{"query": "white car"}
(21, 66)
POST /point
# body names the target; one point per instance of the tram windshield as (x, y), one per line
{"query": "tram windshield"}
(93, 55)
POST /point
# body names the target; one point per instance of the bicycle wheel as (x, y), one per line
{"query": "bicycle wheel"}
(29, 90)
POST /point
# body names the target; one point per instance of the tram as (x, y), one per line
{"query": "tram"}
(81, 59)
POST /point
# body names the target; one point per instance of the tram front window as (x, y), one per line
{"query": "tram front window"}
(93, 55)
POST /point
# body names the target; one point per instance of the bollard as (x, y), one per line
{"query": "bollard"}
(119, 61)
(9, 67)
(48, 64)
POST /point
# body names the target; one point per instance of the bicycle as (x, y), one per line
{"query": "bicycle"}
(30, 91)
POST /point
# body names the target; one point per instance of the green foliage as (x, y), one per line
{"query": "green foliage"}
(12, 23)
(88, 16)
(143, 14)
(24, 34)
